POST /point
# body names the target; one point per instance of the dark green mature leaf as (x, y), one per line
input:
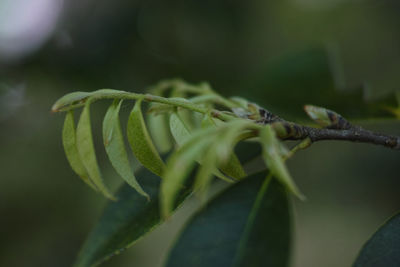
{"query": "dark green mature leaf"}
(87, 154)
(71, 151)
(141, 143)
(383, 249)
(246, 225)
(115, 146)
(125, 221)
(312, 76)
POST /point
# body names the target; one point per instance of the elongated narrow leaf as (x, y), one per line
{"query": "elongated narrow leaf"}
(115, 147)
(383, 249)
(274, 160)
(70, 99)
(141, 143)
(71, 151)
(158, 128)
(205, 172)
(179, 130)
(87, 154)
(246, 225)
(179, 165)
(125, 221)
(232, 166)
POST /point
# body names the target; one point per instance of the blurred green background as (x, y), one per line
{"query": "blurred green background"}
(281, 54)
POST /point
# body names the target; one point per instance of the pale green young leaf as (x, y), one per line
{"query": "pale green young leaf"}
(179, 165)
(232, 166)
(87, 154)
(179, 130)
(158, 128)
(205, 173)
(141, 143)
(70, 99)
(71, 151)
(115, 147)
(274, 161)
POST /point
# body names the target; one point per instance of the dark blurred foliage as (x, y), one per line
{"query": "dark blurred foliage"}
(281, 54)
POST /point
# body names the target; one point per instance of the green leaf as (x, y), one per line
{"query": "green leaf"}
(383, 249)
(141, 143)
(125, 221)
(274, 161)
(205, 172)
(232, 165)
(115, 147)
(311, 75)
(179, 130)
(71, 151)
(87, 154)
(158, 128)
(179, 165)
(70, 99)
(246, 225)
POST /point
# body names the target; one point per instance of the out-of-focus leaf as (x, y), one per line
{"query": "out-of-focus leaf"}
(179, 165)
(383, 249)
(274, 160)
(179, 130)
(246, 225)
(205, 171)
(232, 165)
(71, 151)
(141, 143)
(125, 221)
(312, 76)
(115, 147)
(158, 128)
(87, 154)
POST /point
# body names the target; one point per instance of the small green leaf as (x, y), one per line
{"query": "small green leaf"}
(232, 166)
(318, 114)
(179, 130)
(125, 221)
(205, 172)
(246, 225)
(158, 128)
(383, 249)
(71, 151)
(115, 147)
(141, 143)
(274, 161)
(70, 99)
(87, 154)
(179, 165)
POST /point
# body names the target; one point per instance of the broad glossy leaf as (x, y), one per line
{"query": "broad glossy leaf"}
(141, 143)
(71, 151)
(383, 249)
(246, 225)
(87, 154)
(274, 161)
(115, 146)
(124, 221)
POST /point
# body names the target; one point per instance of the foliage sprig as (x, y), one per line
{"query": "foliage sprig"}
(205, 127)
